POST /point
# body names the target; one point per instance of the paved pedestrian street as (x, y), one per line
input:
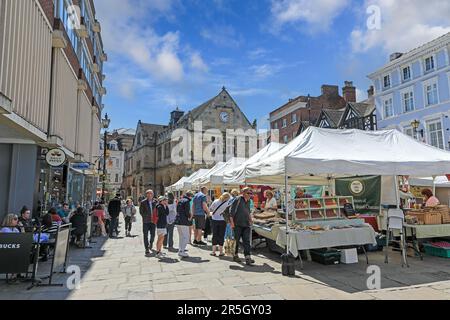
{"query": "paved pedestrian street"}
(118, 269)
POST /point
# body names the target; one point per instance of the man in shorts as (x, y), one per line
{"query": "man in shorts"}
(200, 210)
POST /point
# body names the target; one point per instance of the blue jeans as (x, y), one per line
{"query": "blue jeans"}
(168, 239)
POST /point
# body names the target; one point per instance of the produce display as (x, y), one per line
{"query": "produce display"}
(429, 216)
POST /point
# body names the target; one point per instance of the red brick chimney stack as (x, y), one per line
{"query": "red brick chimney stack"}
(349, 92)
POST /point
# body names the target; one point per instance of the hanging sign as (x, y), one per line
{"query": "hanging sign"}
(55, 157)
(366, 192)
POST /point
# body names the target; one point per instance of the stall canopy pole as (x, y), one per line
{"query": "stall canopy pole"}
(397, 194)
(434, 185)
(286, 202)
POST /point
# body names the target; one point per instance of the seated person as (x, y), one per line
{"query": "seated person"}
(429, 199)
(10, 224)
(54, 215)
(79, 223)
(64, 212)
(271, 202)
(26, 223)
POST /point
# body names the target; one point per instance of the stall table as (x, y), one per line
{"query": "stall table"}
(419, 232)
(307, 240)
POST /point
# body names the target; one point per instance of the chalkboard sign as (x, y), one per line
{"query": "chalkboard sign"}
(15, 250)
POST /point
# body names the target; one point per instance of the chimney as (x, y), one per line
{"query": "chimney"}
(349, 92)
(328, 90)
(371, 92)
(395, 56)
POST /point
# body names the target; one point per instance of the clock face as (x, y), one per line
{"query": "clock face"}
(224, 117)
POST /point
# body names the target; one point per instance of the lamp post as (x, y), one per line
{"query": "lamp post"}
(415, 125)
(105, 124)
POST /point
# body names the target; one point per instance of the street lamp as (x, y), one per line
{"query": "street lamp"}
(105, 124)
(415, 125)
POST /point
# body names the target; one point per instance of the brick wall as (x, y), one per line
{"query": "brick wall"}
(48, 7)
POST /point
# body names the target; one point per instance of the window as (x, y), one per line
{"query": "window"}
(387, 81)
(117, 178)
(388, 110)
(117, 163)
(408, 101)
(275, 125)
(294, 118)
(406, 73)
(435, 134)
(294, 135)
(284, 123)
(409, 131)
(429, 64)
(285, 139)
(159, 151)
(167, 151)
(431, 93)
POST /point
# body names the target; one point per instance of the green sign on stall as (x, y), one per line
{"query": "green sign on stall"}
(365, 190)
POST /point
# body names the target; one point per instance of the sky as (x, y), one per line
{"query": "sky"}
(164, 54)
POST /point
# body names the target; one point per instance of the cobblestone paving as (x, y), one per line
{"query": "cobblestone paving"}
(118, 269)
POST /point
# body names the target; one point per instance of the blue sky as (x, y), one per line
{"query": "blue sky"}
(168, 53)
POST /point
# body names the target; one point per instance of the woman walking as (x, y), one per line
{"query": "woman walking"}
(129, 212)
(161, 225)
(168, 239)
(219, 224)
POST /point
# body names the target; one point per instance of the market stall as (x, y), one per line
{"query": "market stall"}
(321, 155)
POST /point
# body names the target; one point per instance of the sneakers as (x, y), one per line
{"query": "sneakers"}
(195, 242)
(249, 261)
(147, 253)
(160, 255)
(183, 255)
(201, 243)
(237, 259)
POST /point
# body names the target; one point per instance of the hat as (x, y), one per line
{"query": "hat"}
(162, 198)
(189, 194)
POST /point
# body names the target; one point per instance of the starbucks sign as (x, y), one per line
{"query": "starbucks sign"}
(55, 157)
(356, 187)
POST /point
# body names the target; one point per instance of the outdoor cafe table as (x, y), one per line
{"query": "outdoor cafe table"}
(306, 239)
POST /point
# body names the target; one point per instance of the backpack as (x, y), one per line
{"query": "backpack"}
(349, 211)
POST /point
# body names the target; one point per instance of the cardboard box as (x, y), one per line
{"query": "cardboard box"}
(349, 256)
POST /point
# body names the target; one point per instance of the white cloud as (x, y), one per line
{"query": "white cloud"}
(264, 71)
(125, 35)
(197, 62)
(222, 36)
(405, 24)
(318, 14)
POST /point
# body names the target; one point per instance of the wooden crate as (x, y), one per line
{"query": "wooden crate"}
(426, 217)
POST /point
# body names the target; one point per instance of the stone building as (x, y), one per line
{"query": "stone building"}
(124, 138)
(149, 164)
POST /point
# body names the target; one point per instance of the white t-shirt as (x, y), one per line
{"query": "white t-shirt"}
(271, 204)
(217, 216)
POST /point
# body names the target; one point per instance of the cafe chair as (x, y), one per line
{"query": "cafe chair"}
(395, 222)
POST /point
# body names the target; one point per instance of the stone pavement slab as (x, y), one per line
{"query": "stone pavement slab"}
(118, 269)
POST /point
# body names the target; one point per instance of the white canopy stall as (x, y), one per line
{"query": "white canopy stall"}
(216, 178)
(177, 186)
(199, 180)
(188, 183)
(318, 155)
(236, 176)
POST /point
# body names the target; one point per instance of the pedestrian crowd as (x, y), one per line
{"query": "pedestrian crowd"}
(228, 218)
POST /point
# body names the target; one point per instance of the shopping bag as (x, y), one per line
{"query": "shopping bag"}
(230, 247)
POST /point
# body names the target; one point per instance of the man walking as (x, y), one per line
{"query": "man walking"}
(147, 210)
(183, 222)
(200, 210)
(114, 207)
(241, 222)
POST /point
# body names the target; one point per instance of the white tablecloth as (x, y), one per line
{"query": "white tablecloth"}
(305, 240)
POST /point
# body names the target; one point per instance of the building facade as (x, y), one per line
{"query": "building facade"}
(51, 88)
(290, 118)
(412, 92)
(115, 166)
(150, 165)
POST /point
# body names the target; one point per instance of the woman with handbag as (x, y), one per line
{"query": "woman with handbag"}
(129, 212)
(219, 224)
